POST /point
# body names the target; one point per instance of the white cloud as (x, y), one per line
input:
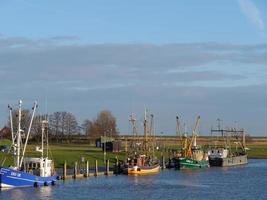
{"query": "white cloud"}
(252, 13)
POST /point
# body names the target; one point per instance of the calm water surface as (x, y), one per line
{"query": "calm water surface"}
(243, 182)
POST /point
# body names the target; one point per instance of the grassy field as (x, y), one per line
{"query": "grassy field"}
(257, 151)
(70, 153)
(75, 152)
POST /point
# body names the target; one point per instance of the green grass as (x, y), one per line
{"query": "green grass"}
(70, 153)
(5, 142)
(257, 151)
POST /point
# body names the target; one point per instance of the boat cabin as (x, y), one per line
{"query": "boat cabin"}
(137, 161)
(38, 166)
(218, 153)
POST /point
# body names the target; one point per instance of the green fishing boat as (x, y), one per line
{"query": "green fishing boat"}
(189, 163)
(191, 156)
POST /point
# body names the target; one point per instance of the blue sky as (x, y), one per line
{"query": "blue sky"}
(175, 57)
(150, 21)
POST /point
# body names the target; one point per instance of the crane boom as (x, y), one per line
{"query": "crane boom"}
(193, 141)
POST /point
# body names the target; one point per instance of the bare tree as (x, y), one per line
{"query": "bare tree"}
(104, 124)
(54, 124)
(86, 126)
(63, 124)
(71, 125)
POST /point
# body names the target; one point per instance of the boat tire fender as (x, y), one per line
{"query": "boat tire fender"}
(53, 183)
(45, 184)
(35, 184)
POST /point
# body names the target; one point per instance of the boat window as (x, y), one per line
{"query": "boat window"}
(212, 151)
(38, 165)
(33, 165)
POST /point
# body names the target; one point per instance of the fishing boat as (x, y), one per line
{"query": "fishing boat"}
(141, 165)
(141, 159)
(191, 156)
(223, 155)
(27, 171)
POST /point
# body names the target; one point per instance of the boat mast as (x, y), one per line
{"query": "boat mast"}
(42, 144)
(28, 133)
(47, 136)
(243, 140)
(17, 162)
(46, 120)
(178, 132)
(194, 132)
(184, 142)
(11, 125)
(193, 142)
(152, 135)
(145, 130)
(44, 126)
(132, 120)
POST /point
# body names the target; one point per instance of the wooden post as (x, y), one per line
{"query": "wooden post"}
(65, 170)
(96, 168)
(75, 170)
(117, 166)
(163, 163)
(107, 167)
(87, 169)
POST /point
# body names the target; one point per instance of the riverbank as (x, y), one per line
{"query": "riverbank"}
(82, 152)
(237, 183)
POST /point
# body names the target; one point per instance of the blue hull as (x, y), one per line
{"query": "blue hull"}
(14, 178)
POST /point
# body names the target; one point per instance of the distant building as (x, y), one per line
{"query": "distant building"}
(100, 141)
(114, 146)
(108, 142)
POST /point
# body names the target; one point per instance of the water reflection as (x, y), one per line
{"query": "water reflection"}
(18, 194)
(143, 179)
(45, 192)
(243, 182)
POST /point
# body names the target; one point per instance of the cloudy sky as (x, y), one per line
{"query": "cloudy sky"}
(174, 57)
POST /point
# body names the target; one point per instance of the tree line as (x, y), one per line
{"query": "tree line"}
(64, 125)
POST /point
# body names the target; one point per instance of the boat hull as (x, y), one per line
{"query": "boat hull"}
(136, 170)
(188, 163)
(229, 161)
(13, 178)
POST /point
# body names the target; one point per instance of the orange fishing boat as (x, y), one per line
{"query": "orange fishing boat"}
(141, 166)
(142, 160)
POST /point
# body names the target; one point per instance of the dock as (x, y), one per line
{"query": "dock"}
(85, 172)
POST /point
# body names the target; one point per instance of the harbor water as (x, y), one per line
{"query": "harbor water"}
(240, 182)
